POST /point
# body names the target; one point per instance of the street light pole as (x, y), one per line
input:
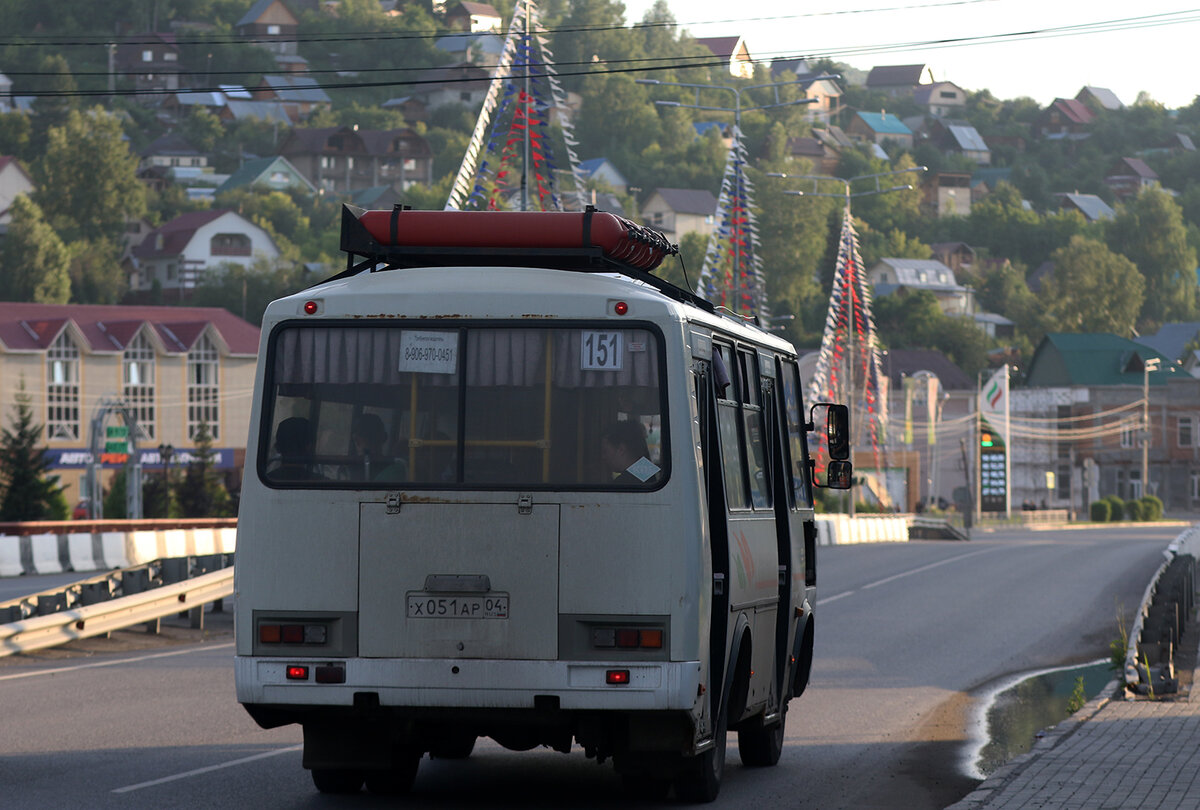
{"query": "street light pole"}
(1147, 367)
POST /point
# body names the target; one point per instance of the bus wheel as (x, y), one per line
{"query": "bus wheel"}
(700, 780)
(337, 780)
(759, 745)
(455, 747)
(397, 780)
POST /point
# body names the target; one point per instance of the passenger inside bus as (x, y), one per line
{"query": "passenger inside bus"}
(294, 444)
(372, 464)
(622, 445)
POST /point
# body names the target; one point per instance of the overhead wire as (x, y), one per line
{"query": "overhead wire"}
(700, 61)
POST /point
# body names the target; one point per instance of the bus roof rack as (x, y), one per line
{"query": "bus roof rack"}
(592, 242)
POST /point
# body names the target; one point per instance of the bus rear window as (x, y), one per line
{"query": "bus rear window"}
(353, 406)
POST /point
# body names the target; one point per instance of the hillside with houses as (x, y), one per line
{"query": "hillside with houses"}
(197, 154)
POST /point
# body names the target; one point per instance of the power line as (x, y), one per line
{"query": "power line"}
(90, 40)
(1106, 26)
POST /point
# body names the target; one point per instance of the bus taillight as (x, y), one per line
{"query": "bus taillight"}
(297, 673)
(617, 676)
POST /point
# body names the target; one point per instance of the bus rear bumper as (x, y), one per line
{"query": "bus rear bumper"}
(473, 683)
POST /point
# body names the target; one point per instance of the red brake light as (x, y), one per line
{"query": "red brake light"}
(268, 633)
(617, 676)
(621, 308)
(627, 637)
(310, 307)
(297, 673)
(293, 633)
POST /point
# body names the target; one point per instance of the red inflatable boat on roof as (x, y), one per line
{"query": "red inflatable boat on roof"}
(502, 236)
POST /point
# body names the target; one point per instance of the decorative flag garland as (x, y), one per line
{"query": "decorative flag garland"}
(500, 159)
(732, 274)
(849, 367)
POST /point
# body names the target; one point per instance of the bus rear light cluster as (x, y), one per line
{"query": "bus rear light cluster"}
(324, 673)
(293, 633)
(628, 638)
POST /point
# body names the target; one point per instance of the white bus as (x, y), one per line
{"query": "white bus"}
(498, 486)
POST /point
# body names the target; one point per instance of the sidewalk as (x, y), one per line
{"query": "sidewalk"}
(1112, 753)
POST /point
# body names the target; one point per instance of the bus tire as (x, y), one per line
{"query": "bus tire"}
(337, 780)
(759, 745)
(700, 780)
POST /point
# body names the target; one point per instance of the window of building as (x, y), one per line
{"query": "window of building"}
(147, 56)
(230, 244)
(203, 388)
(1062, 483)
(1194, 486)
(62, 389)
(273, 30)
(139, 383)
(1129, 435)
(1187, 436)
(170, 56)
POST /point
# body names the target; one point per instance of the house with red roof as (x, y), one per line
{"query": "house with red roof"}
(178, 254)
(1066, 118)
(14, 181)
(170, 369)
(734, 51)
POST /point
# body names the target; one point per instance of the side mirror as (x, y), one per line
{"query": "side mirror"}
(837, 428)
(838, 475)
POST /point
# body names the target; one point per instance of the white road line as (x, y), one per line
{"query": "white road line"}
(903, 574)
(208, 769)
(825, 600)
(114, 662)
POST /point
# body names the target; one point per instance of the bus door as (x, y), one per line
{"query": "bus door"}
(752, 547)
(712, 377)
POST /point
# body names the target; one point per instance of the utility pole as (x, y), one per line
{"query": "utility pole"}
(1147, 366)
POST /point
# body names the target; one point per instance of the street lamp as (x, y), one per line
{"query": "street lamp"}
(1147, 366)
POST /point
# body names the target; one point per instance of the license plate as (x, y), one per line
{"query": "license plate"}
(459, 606)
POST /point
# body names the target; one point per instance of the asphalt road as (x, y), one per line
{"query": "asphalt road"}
(908, 636)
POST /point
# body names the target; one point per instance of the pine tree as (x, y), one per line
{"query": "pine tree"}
(201, 494)
(30, 493)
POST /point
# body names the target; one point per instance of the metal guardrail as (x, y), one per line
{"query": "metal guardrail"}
(91, 607)
(27, 527)
(1187, 544)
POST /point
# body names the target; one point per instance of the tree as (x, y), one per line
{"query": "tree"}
(1093, 289)
(30, 492)
(1149, 231)
(96, 273)
(201, 493)
(33, 260)
(87, 179)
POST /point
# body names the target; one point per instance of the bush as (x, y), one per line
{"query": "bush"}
(1101, 511)
(1133, 510)
(1117, 506)
(1152, 508)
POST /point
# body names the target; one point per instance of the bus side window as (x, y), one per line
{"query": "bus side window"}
(733, 460)
(752, 422)
(796, 448)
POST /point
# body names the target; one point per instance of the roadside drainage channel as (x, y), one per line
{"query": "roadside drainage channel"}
(1015, 713)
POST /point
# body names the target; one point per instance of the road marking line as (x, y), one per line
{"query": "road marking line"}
(113, 663)
(825, 600)
(923, 568)
(207, 769)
